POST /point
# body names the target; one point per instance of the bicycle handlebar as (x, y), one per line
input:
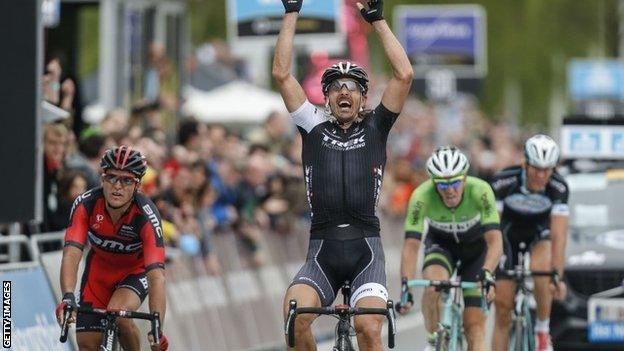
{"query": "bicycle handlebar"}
(153, 318)
(439, 285)
(339, 310)
(520, 274)
(442, 284)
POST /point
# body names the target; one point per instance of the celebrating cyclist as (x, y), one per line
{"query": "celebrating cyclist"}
(344, 154)
(533, 200)
(126, 258)
(457, 216)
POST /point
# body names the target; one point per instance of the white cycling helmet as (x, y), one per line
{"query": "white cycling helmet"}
(541, 151)
(447, 162)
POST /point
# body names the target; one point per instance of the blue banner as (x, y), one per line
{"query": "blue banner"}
(596, 79)
(591, 141)
(33, 324)
(606, 331)
(253, 18)
(450, 36)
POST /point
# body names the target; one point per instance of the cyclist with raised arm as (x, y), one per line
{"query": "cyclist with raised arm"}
(533, 199)
(344, 155)
(126, 260)
(457, 216)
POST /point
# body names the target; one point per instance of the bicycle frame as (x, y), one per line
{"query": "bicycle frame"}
(451, 322)
(522, 320)
(110, 332)
(344, 313)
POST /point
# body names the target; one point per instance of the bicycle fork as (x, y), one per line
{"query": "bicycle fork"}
(109, 335)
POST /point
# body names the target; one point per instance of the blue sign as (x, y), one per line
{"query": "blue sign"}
(252, 18)
(592, 141)
(450, 36)
(584, 142)
(33, 323)
(606, 331)
(596, 79)
(617, 143)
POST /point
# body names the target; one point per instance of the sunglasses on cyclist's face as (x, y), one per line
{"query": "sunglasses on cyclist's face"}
(454, 183)
(125, 181)
(347, 83)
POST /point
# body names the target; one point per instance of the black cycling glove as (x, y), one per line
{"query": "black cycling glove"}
(292, 5)
(374, 12)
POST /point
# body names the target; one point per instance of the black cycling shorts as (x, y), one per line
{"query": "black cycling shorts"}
(89, 322)
(337, 258)
(511, 246)
(447, 253)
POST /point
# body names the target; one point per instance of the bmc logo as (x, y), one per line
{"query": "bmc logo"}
(78, 200)
(114, 245)
(154, 219)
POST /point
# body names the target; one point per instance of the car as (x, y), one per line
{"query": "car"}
(594, 269)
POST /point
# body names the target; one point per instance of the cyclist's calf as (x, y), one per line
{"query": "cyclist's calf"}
(474, 328)
(89, 341)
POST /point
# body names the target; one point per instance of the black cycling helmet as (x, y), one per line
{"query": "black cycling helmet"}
(123, 158)
(345, 70)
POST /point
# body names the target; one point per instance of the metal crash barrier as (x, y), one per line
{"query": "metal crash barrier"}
(239, 309)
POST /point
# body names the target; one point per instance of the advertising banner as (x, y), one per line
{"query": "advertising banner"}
(592, 141)
(596, 79)
(443, 37)
(28, 300)
(262, 18)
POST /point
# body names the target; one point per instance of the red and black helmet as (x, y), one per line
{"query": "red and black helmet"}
(123, 158)
(345, 69)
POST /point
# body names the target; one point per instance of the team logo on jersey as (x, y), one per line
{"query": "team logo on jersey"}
(99, 218)
(128, 231)
(455, 227)
(528, 204)
(78, 200)
(111, 245)
(153, 218)
(331, 142)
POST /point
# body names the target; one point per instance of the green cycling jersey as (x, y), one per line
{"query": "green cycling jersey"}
(475, 214)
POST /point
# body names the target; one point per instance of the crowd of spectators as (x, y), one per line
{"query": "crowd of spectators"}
(212, 179)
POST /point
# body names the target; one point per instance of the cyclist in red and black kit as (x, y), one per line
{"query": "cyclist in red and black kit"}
(126, 259)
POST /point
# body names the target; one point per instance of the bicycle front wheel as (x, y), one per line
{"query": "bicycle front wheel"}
(442, 341)
(519, 335)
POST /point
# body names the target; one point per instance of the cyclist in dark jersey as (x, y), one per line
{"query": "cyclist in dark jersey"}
(457, 215)
(126, 256)
(344, 154)
(533, 199)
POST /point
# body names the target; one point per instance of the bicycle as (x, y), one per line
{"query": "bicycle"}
(111, 331)
(343, 313)
(450, 330)
(522, 337)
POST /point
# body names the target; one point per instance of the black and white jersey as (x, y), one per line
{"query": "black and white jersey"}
(343, 169)
(527, 211)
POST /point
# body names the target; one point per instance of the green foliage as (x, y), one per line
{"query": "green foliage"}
(89, 40)
(529, 44)
(208, 20)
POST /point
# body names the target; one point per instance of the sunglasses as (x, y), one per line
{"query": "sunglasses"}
(125, 181)
(442, 185)
(339, 83)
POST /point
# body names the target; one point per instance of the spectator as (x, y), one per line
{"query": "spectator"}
(274, 133)
(55, 138)
(91, 147)
(71, 184)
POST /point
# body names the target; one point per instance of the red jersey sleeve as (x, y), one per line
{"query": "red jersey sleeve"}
(152, 237)
(76, 232)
